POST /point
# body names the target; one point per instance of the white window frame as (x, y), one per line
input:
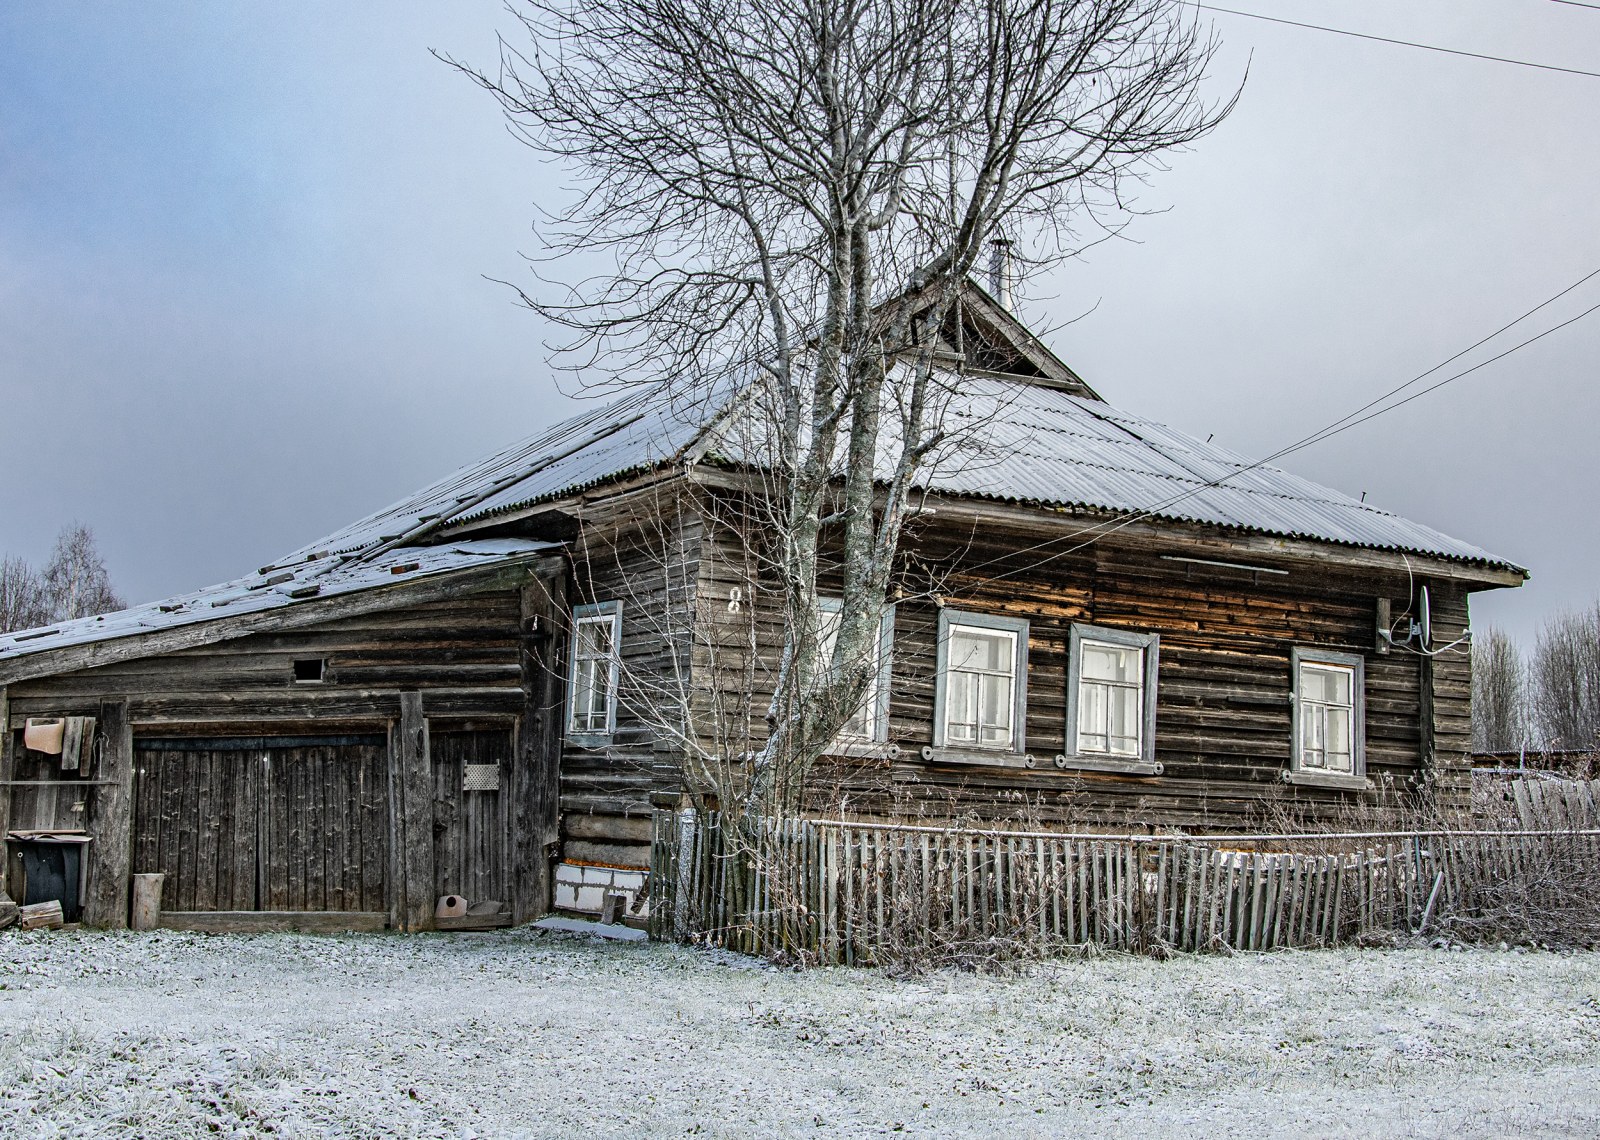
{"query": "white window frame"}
(877, 698)
(966, 752)
(1149, 646)
(1298, 772)
(598, 613)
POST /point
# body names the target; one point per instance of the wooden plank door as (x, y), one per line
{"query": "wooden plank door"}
(471, 790)
(195, 810)
(275, 823)
(324, 827)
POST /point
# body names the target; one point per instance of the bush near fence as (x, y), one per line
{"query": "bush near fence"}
(830, 892)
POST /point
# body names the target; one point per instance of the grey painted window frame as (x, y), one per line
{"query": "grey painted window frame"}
(878, 716)
(587, 613)
(943, 750)
(1145, 764)
(1356, 779)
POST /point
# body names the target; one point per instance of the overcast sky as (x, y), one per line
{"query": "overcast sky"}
(243, 252)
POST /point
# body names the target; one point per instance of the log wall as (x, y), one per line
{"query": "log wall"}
(1223, 712)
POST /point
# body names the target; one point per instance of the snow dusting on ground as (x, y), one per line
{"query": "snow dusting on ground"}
(525, 1033)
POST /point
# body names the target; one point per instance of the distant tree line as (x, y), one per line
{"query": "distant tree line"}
(73, 584)
(1547, 699)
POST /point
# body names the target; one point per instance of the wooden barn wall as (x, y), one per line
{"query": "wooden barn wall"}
(644, 553)
(1223, 711)
(463, 652)
(484, 669)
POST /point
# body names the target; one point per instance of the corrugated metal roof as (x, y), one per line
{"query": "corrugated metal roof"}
(1014, 441)
(312, 579)
(1037, 445)
(1028, 443)
(637, 432)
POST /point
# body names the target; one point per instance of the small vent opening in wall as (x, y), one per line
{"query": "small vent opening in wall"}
(310, 670)
(481, 778)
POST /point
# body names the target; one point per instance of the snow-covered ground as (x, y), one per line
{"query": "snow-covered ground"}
(522, 1033)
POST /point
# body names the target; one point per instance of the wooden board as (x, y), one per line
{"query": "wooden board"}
(470, 828)
(262, 921)
(300, 827)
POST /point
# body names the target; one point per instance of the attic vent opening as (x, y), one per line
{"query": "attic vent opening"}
(310, 670)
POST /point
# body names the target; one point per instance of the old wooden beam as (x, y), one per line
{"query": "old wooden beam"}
(535, 781)
(260, 921)
(111, 823)
(412, 804)
(7, 774)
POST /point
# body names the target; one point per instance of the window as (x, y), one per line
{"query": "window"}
(870, 723)
(592, 694)
(310, 670)
(1111, 706)
(1329, 720)
(980, 700)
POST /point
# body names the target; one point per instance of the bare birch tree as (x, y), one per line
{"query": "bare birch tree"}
(792, 197)
(73, 584)
(1499, 693)
(1565, 681)
(23, 603)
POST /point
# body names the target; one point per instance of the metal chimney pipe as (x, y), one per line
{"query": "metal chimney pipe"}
(1000, 271)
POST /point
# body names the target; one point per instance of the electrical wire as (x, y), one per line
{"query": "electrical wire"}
(1577, 4)
(1398, 42)
(1106, 527)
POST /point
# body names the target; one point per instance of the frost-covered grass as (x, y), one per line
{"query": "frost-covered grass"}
(519, 1033)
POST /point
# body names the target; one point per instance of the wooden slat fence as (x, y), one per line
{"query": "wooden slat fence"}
(834, 892)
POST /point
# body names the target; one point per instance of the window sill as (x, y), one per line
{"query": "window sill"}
(1342, 781)
(1123, 765)
(991, 758)
(864, 750)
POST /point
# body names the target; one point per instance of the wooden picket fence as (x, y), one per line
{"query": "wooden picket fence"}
(836, 892)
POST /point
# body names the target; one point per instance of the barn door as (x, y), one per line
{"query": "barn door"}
(471, 786)
(264, 823)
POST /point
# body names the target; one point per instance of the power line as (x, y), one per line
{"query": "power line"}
(1406, 43)
(1577, 4)
(1107, 527)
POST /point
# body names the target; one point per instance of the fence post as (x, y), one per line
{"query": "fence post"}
(686, 874)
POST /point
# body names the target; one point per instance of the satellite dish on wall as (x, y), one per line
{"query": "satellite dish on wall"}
(1426, 624)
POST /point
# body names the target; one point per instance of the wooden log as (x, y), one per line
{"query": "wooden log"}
(40, 916)
(7, 774)
(411, 766)
(535, 781)
(147, 901)
(261, 921)
(606, 828)
(111, 823)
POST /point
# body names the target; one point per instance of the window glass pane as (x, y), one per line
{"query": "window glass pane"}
(1326, 683)
(995, 710)
(594, 637)
(1311, 737)
(1124, 720)
(986, 650)
(1092, 710)
(1337, 739)
(1110, 662)
(961, 704)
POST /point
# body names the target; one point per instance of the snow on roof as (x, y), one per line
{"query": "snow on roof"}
(638, 432)
(324, 577)
(1031, 444)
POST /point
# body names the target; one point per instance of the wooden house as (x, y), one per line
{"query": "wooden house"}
(472, 692)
